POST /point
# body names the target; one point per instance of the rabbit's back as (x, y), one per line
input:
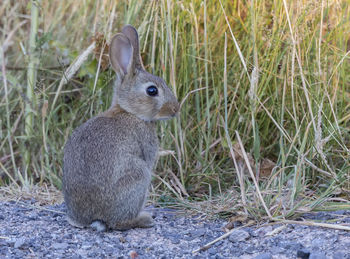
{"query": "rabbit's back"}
(102, 141)
(97, 161)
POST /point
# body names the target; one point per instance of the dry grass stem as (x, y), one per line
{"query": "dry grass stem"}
(72, 69)
(252, 175)
(208, 245)
(314, 224)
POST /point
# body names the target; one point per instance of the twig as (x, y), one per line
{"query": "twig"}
(188, 94)
(238, 170)
(7, 41)
(252, 175)
(207, 246)
(39, 68)
(9, 138)
(212, 145)
(8, 174)
(178, 183)
(314, 224)
(4, 158)
(169, 186)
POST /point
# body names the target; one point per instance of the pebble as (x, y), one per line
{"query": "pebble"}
(212, 251)
(263, 256)
(239, 235)
(250, 249)
(199, 233)
(340, 255)
(303, 254)
(19, 242)
(317, 255)
(318, 242)
(175, 241)
(47, 234)
(290, 245)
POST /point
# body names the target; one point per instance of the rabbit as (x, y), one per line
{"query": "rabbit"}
(108, 160)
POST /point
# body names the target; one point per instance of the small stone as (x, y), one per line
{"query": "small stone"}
(339, 255)
(250, 249)
(238, 236)
(175, 241)
(303, 254)
(317, 255)
(198, 233)
(263, 256)
(318, 242)
(68, 236)
(187, 238)
(32, 218)
(276, 250)
(212, 251)
(60, 246)
(19, 242)
(291, 246)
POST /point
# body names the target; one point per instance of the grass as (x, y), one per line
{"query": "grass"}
(264, 129)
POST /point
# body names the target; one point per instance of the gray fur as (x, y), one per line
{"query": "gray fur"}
(108, 160)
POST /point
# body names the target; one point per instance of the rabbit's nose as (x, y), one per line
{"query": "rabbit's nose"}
(175, 108)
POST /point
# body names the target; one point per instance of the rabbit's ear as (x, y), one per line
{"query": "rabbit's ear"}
(121, 54)
(130, 32)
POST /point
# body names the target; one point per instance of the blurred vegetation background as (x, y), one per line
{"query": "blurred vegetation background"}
(265, 89)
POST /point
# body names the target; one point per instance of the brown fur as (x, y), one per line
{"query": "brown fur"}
(112, 112)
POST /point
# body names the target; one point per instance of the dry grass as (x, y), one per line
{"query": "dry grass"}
(41, 195)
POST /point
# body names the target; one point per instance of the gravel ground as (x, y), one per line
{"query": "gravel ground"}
(29, 232)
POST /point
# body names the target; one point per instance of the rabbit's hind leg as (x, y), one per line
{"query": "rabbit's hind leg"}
(74, 223)
(143, 220)
(130, 193)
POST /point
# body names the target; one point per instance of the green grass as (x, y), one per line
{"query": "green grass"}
(257, 86)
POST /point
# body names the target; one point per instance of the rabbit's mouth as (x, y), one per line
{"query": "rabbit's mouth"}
(168, 111)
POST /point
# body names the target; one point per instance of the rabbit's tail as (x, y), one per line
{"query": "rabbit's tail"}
(98, 226)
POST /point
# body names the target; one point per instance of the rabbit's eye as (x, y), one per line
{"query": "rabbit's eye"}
(152, 90)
